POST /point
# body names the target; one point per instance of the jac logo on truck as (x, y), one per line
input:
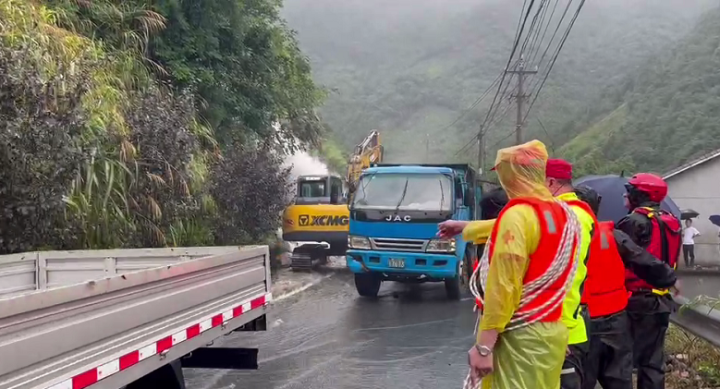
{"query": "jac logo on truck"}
(322, 220)
(398, 218)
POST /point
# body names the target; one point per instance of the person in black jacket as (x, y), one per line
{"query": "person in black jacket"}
(650, 306)
(491, 205)
(642, 263)
(610, 356)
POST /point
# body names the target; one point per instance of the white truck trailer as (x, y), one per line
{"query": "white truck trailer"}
(127, 318)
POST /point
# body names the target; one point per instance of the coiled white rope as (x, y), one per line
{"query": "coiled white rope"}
(563, 258)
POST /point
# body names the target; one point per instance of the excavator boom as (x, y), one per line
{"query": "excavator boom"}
(368, 152)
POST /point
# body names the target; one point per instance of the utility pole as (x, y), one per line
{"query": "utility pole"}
(481, 151)
(520, 97)
(427, 148)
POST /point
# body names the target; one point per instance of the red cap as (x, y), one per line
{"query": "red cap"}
(558, 169)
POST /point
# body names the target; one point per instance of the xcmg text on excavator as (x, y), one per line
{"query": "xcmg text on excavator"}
(317, 220)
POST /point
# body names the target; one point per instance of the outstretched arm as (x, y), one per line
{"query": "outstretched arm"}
(648, 268)
(478, 231)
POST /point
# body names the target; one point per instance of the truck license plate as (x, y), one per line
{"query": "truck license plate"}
(394, 262)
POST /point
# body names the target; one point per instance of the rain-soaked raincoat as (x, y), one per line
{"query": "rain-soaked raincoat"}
(530, 357)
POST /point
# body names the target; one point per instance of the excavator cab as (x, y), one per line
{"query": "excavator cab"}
(319, 218)
(319, 190)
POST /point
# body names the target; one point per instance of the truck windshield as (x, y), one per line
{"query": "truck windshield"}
(422, 192)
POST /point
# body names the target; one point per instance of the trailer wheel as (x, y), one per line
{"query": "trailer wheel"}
(367, 285)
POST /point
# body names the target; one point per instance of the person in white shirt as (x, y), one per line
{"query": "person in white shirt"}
(689, 235)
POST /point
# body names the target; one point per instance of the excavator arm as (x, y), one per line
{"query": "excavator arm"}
(368, 152)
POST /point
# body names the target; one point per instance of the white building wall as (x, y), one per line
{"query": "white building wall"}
(698, 188)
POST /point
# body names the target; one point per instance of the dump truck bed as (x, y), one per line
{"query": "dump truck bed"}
(104, 318)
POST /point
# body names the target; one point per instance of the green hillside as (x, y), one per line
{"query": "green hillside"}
(661, 115)
(410, 68)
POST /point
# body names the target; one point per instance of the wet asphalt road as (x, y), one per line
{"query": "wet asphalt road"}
(328, 337)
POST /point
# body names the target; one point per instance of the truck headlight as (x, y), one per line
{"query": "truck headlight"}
(358, 242)
(441, 246)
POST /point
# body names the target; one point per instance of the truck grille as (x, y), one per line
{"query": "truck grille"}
(398, 244)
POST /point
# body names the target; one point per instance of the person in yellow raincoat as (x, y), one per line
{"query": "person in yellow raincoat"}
(526, 353)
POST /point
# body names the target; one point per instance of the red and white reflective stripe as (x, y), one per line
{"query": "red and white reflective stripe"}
(126, 361)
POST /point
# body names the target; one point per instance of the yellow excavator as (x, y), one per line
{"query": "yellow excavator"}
(317, 220)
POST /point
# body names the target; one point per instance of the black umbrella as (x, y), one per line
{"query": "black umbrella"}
(715, 219)
(612, 189)
(688, 214)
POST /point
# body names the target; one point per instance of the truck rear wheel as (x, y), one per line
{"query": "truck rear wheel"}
(367, 285)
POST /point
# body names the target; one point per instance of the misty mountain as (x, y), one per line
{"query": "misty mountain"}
(412, 67)
(661, 115)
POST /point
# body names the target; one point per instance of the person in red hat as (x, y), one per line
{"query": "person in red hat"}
(558, 179)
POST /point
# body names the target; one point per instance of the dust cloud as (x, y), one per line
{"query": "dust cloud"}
(305, 164)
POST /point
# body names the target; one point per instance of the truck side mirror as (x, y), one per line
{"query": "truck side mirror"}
(469, 198)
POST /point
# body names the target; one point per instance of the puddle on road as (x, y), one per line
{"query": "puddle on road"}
(288, 283)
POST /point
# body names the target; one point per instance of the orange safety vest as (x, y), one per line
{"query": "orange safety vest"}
(605, 293)
(552, 222)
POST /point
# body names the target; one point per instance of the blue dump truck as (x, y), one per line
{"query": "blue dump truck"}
(394, 215)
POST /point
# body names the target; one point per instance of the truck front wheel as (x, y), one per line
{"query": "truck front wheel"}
(454, 286)
(367, 285)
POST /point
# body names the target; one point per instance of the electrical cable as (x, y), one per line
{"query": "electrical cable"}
(507, 66)
(552, 144)
(474, 104)
(555, 32)
(542, 39)
(485, 131)
(532, 29)
(555, 57)
(547, 48)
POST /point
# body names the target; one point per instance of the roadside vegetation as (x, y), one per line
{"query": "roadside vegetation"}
(694, 362)
(123, 125)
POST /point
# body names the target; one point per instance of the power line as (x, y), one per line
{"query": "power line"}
(552, 144)
(523, 119)
(512, 54)
(503, 139)
(552, 38)
(555, 56)
(492, 123)
(520, 18)
(534, 40)
(504, 94)
(547, 26)
(474, 104)
(531, 30)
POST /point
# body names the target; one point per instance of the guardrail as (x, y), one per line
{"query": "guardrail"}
(700, 320)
